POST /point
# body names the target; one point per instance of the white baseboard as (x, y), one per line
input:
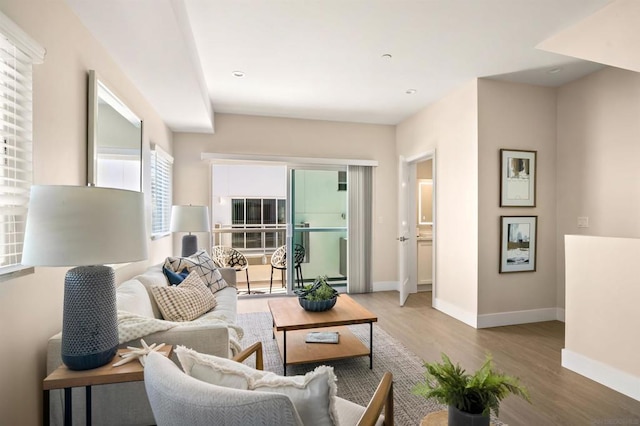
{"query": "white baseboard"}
(455, 312)
(385, 286)
(517, 317)
(604, 374)
(425, 287)
(560, 314)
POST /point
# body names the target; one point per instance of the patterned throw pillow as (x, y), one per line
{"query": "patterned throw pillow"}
(202, 263)
(185, 302)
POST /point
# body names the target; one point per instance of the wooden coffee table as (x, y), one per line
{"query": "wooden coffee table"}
(291, 324)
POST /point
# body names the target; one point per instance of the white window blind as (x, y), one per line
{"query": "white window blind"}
(17, 55)
(161, 191)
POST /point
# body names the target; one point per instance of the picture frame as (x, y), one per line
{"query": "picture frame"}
(517, 178)
(518, 242)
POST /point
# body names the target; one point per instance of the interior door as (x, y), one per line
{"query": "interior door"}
(403, 229)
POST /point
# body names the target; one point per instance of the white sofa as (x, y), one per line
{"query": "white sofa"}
(127, 403)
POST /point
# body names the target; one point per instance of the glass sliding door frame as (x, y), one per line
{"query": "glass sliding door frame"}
(291, 214)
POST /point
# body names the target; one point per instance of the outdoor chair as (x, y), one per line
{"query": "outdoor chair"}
(279, 261)
(228, 257)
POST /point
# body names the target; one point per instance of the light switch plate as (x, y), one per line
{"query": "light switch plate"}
(583, 222)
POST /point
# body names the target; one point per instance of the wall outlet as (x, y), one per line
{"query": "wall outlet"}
(583, 222)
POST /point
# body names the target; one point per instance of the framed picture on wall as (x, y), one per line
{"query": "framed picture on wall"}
(518, 235)
(517, 178)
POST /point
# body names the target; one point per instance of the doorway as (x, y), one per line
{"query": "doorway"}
(416, 225)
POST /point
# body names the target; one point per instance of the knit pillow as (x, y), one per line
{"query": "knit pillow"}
(313, 395)
(185, 302)
(202, 263)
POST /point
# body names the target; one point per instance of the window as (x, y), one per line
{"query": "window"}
(18, 53)
(250, 213)
(161, 191)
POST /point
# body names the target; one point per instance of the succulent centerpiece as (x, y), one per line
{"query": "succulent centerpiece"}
(317, 297)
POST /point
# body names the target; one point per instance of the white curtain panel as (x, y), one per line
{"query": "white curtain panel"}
(360, 187)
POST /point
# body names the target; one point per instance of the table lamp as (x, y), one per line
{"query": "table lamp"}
(189, 219)
(86, 227)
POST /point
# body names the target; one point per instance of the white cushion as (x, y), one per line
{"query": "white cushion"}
(186, 301)
(313, 395)
(132, 296)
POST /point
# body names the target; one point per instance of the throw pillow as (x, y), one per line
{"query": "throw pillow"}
(175, 278)
(185, 302)
(202, 263)
(313, 395)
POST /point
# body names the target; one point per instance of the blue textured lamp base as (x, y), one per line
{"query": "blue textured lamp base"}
(189, 245)
(90, 317)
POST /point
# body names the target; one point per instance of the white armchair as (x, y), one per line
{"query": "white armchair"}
(178, 399)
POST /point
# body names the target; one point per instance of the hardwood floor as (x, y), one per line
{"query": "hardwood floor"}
(529, 351)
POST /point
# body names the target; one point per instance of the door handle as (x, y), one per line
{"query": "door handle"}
(402, 239)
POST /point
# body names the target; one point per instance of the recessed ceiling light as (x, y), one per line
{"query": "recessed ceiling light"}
(238, 74)
(554, 70)
(387, 56)
(410, 91)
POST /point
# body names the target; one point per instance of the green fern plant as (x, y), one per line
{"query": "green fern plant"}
(478, 393)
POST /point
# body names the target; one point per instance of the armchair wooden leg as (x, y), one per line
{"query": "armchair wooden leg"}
(248, 283)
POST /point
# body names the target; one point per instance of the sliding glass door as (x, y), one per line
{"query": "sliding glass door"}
(317, 226)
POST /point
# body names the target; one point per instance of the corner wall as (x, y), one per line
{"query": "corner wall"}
(254, 135)
(602, 311)
(516, 116)
(449, 126)
(31, 306)
(598, 157)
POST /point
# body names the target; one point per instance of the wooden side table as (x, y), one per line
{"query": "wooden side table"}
(63, 378)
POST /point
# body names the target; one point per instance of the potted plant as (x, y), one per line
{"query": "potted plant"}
(471, 397)
(319, 296)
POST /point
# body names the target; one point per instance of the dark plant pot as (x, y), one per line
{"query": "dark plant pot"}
(460, 418)
(317, 306)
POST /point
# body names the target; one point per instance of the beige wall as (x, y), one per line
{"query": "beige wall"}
(602, 311)
(241, 134)
(449, 126)
(516, 116)
(598, 156)
(31, 306)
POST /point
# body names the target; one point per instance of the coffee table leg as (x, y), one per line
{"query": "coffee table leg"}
(370, 346)
(284, 350)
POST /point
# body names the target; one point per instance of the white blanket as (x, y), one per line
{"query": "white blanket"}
(133, 327)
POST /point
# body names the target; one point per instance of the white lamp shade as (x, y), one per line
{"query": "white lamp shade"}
(82, 225)
(190, 219)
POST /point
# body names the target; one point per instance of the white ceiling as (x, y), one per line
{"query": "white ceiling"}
(322, 59)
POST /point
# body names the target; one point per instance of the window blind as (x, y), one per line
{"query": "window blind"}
(161, 191)
(16, 173)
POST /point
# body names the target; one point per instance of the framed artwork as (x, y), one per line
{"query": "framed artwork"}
(518, 243)
(517, 178)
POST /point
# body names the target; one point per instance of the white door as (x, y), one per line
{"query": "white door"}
(403, 229)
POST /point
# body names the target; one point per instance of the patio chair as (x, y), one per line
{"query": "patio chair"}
(279, 261)
(228, 257)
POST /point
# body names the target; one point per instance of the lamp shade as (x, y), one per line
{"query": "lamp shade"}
(190, 219)
(83, 225)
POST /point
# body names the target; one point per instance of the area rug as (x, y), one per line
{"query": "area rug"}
(356, 382)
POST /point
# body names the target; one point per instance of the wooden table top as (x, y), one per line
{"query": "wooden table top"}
(63, 377)
(289, 315)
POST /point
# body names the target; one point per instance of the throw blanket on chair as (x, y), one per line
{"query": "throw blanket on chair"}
(132, 327)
